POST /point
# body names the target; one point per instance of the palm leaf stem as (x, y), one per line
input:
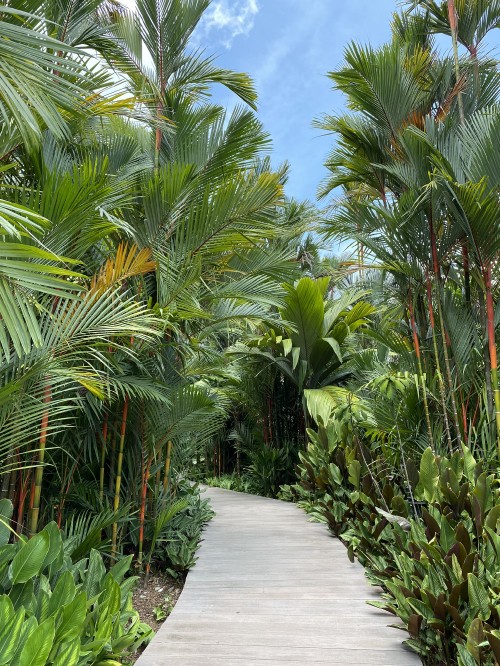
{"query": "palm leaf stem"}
(103, 457)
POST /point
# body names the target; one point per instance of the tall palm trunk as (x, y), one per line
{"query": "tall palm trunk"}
(486, 356)
(437, 281)
(166, 470)
(44, 428)
(439, 375)
(103, 457)
(421, 376)
(118, 481)
(142, 510)
(490, 318)
(453, 19)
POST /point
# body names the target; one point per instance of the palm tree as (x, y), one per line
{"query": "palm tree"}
(397, 160)
(141, 234)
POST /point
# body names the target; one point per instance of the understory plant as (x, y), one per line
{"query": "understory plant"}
(430, 536)
(62, 611)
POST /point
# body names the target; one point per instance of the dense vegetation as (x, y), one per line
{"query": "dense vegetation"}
(165, 317)
(394, 354)
(142, 230)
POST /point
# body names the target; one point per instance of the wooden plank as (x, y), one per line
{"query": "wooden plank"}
(270, 587)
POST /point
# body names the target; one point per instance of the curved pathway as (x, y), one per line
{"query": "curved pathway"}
(270, 587)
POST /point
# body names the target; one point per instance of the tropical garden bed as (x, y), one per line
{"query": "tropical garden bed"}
(167, 313)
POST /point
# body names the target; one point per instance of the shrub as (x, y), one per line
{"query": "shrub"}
(60, 612)
(436, 552)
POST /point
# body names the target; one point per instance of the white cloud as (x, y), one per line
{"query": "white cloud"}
(231, 18)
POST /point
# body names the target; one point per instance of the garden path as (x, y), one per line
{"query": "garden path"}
(269, 588)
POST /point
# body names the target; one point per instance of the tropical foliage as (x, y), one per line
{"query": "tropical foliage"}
(58, 609)
(141, 229)
(404, 464)
(166, 313)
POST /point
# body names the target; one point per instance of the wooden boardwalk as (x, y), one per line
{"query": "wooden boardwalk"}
(272, 588)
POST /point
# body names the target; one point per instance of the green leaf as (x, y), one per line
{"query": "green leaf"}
(68, 654)
(10, 634)
(306, 311)
(429, 475)
(478, 597)
(469, 463)
(73, 619)
(29, 559)
(119, 569)
(55, 543)
(355, 473)
(37, 649)
(95, 573)
(465, 658)
(6, 511)
(447, 536)
(475, 637)
(63, 593)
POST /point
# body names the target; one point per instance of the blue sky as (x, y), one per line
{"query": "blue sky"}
(288, 46)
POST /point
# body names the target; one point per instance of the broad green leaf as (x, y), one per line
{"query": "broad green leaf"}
(55, 543)
(111, 597)
(68, 654)
(447, 536)
(73, 619)
(95, 573)
(287, 346)
(355, 473)
(475, 637)
(10, 635)
(22, 595)
(27, 628)
(469, 463)
(64, 592)
(465, 658)
(119, 569)
(305, 310)
(429, 475)
(29, 559)
(478, 596)
(335, 346)
(37, 649)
